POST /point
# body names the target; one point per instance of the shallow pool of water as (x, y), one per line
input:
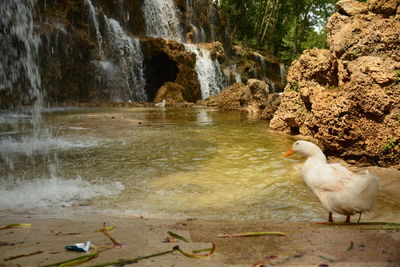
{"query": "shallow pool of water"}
(161, 162)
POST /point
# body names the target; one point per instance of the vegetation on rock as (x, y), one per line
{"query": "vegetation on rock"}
(348, 97)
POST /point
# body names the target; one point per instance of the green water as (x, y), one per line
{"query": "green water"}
(179, 163)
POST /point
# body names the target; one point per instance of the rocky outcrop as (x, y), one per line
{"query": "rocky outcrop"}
(348, 97)
(252, 97)
(170, 69)
(253, 64)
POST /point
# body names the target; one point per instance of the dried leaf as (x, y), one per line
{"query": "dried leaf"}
(351, 246)
(196, 256)
(325, 258)
(201, 250)
(14, 225)
(105, 230)
(23, 255)
(247, 234)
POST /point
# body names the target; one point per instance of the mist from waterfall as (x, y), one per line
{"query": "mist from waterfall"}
(162, 20)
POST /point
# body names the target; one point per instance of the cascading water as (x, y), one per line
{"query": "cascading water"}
(236, 74)
(29, 151)
(271, 84)
(208, 71)
(95, 22)
(127, 57)
(19, 73)
(162, 20)
(20, 78)
(282, 71)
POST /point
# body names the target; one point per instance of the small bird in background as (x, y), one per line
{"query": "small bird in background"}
(338, 189)
(160, 104)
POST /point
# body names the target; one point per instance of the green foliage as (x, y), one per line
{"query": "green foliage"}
(283, 28)
(294, 86)
(353, 55)
(396, 76)
(392, 143)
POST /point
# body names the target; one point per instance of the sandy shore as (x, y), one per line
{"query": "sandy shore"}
(304, 243)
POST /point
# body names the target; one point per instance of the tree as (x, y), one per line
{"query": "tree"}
(283, 28)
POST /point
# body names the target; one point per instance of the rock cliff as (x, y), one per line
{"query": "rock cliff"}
(126, 51)
(348, 97)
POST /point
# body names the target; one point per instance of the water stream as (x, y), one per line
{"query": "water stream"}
(94, 20)
(208, 71)
(167, 163)
(127, 61)
(162, 20)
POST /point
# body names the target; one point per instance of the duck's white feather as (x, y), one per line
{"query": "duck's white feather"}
(338, 189)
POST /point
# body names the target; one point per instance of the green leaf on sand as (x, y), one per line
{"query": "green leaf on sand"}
(247, 234)
(177, 236)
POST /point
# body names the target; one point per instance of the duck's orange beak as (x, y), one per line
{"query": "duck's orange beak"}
(288, 153)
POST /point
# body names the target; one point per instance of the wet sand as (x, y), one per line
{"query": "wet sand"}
(305, 243)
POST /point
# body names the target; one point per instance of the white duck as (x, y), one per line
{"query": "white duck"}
(160, 104)
(338, 189)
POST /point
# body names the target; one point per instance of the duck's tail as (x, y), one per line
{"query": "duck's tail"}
(365, 188)
(360, 195)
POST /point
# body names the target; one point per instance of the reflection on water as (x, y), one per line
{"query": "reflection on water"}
(168, 163)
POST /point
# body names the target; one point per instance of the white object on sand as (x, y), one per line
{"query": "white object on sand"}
(160, 104)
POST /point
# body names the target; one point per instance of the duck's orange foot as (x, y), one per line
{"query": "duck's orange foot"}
(330, 219)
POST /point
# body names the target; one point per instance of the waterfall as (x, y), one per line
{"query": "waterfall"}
(19, 48)
(208, 71)
(162, 20)
(236, 74)
(271, 84)
(282, 73)
(19, 72)
(262, 60)
(24, 139)
(127, 57)
(95, 22)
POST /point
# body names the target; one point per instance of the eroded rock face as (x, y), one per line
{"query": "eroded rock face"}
(170, 67)
(252, 97)
(351, 8)
(348, 97)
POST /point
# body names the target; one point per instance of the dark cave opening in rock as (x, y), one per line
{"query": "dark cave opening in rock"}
(294, 130)
(160, 69)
